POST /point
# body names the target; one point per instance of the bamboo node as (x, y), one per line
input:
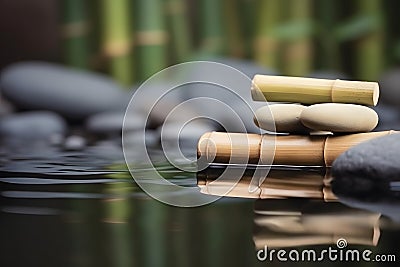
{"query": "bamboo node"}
(117, 48)
(151, 37)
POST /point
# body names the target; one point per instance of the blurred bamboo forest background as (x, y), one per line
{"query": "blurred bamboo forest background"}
(133, 39)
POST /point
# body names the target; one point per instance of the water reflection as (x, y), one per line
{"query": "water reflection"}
(291, 223)
(104, 219)
(295, 207)
(279, 182)
(383, 198)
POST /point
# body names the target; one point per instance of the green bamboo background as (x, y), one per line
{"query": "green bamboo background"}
(137, 38)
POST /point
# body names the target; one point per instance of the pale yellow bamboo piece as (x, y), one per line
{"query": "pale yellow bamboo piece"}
(311, 91)
(297, 150)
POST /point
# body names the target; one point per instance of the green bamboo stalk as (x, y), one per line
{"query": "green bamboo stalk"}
(75, 31)
(329, 58)
(370, 48)
(266, 45)
(248, 8)
(117, 41)
(179, 29)
(151, 37)
(234, 35)
(298, 51)
(212, 31)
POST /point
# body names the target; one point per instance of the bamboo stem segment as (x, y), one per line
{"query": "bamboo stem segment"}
(311, 91)
(297, 150)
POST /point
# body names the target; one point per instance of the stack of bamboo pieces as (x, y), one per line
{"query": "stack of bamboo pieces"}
(316, 135)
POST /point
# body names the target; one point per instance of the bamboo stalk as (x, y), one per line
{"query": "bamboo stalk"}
(311, 91)
(179, 29)
(212, 32)
(297, 150)
(298, 56)
(234, 35)
(75, 30)
(151, 37)
(369, 49)
(266, 44)
(248, 8)
(117, 43)
(329, 58)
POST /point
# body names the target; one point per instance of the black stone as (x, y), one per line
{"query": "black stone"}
(369, 166)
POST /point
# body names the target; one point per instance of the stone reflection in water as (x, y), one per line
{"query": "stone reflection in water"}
(382, 196)
(279, 182)
(289, 223)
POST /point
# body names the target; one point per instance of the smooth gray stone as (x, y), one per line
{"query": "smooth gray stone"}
(75, 142)
(389, 87)
(185, 135)
(5, 107)
(75, 94)
(371, 165)
(389, 117)
(237, 96)
(111, 122)
(32, 127)
(155, 101)
(151, 138)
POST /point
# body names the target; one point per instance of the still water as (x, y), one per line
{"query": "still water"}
(81, 208)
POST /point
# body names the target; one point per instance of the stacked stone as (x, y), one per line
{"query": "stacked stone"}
(350, 113)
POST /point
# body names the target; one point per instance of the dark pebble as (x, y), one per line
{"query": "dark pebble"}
(369, 166)
(32, 127)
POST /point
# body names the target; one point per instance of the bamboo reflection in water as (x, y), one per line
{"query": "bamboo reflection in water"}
(277, 183)
(285, 223)
(117, 210)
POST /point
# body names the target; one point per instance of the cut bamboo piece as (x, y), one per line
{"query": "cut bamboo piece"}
(312, 91)
(297, 150)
